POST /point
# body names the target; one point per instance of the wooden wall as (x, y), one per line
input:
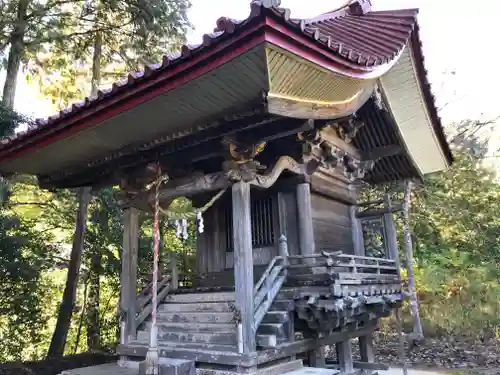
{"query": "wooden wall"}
(332, 224)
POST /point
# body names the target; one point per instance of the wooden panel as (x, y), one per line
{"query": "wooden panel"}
(292, 76)
(331, 223)
(261, 256)
(404, 95)
(326, 183)
(287, 205)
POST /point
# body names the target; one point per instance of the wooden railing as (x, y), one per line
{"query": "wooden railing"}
(270, 283)
(337, 262)
(144, 303)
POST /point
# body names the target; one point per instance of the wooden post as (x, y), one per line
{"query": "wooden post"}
(174, 271)
(344, 356)
(305, 222)
(357, 232)
(317, 357)
(243, 264)
(129, 270)
(366, 350)
(417, 327)
(391, 238)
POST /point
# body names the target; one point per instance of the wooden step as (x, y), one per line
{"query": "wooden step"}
(215, 307)
(267, 341)
(140, 348)
(283, 305)
(221, 338)
(276, 317)
(193, 327)
(200, 297)
(276, 329)
(196, 317)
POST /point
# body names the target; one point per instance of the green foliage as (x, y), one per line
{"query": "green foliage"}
(26, 257)
(456, 228)
(133, 33)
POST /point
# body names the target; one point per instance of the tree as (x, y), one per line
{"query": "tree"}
(134, 26)
(60, 335)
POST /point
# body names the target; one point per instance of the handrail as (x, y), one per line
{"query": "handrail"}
(164, 286)
(266, 273)
(270, 283)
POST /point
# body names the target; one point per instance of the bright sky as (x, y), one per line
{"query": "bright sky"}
(458, 36)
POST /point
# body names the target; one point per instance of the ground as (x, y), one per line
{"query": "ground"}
(465, 356)
(481, 356)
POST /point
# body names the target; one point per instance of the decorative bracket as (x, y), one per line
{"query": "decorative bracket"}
(240, 164)
(317, 152)
(348, 129)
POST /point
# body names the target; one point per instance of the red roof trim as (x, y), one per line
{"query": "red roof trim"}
(319, 55)
(131, 98)
(429, 99)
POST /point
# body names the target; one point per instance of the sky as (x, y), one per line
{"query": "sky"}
(458, 41)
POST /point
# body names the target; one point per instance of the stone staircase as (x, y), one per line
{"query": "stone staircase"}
(206, 321)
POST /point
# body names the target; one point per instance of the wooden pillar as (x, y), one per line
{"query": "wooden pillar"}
(243, 265)
(366, 350)
(357, 232)
(305, 222)
(317, 357)
(391, 238)
(128, 278)
(344, 357)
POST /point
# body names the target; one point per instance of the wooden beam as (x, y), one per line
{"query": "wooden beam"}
(379, 212)
(128, 279)
(305, 221)
(243, 265)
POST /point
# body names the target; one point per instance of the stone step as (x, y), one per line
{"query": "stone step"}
(171, 366)
(221, 338)
(280, 368)
(215, 307)
(313, 371)
(196, 317)
(276, 317)
(193, 327)
(200, 297)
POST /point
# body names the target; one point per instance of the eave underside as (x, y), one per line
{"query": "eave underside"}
(204, 150)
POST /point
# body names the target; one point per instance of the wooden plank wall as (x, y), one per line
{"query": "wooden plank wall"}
(332, 224)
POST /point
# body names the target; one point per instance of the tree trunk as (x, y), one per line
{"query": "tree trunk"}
(60, 335)
(93, 316)
(93, 320)
(16, 54)
(96, 63)
(418, 333)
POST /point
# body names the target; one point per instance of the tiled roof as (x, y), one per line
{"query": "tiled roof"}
(363, 37)
(352, 35)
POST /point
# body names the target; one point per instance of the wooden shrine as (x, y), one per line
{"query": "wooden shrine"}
(283, 121)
